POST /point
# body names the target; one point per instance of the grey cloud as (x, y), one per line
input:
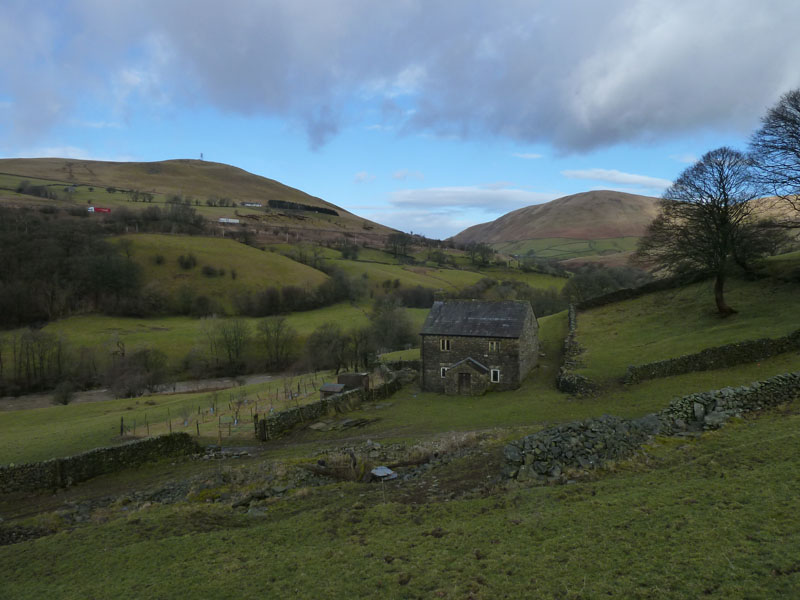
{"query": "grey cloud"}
(577, 75)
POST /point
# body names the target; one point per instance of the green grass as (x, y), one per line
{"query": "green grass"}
(708, 518)
(682, 321)
(411, 415)
(175, 336)
(564, 248)
(409, 276)
(43, 433)
(246, 268)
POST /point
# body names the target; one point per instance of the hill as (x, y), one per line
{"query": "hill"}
(220, 269)
(597, 222)
(215, 189)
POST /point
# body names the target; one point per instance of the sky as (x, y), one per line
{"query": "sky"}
(425, 115)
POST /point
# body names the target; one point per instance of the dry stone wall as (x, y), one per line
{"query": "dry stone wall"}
(277, 423)
(63, 472)
(583, 445)
(718, 357)
(567, 379)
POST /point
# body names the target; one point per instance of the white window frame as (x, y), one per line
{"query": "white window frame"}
(444, 344)
(495, 376)
(443, 372)
(494, 345)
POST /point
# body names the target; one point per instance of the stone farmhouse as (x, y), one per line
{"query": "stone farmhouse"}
(471, 346)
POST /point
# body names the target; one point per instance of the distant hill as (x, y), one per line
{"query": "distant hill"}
(599, 222)
(585, 216)
(212, 187)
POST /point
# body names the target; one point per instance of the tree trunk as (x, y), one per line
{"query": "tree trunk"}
(719, 284)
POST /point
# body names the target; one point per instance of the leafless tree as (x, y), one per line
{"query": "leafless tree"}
(775, 149)
(277, 338)
(706, 221)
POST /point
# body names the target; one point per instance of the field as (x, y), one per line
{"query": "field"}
(711, 515)
(237, 267)
(565, 248)
(682, 321)
(175, 336)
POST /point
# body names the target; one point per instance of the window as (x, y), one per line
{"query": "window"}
(494, 346)
(495, 375)
(444, 344)
(443, 371)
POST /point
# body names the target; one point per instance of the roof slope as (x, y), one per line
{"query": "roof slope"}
(477, 318)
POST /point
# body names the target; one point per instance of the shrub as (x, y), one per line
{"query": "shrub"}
(187, 262)
(64, 393)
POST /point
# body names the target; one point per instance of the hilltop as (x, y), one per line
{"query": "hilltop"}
(216, 190)
(589, 223)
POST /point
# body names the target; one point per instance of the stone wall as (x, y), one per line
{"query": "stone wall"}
(718, 357)
(583, 445)
(648, 288)
(508, 358)
(63, 472)
(567, 380)
(277, 423)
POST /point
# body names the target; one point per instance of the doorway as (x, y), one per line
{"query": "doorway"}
(464, 384)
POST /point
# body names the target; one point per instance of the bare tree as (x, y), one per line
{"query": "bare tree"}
(775, 149)
(277, 338)
(706, 222)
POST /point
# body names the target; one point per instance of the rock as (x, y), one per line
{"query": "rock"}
(512, 454)
(699, 411)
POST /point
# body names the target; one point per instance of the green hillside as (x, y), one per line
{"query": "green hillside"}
(682, 321)
(237, 267)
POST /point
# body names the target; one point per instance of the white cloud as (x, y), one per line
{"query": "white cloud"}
(404, 174)
(686, 158)
(483, 199)
(614, 176)
(363, 177)
(527, 155)
(73, 152)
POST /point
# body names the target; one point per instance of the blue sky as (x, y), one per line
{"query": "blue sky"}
(424, 115)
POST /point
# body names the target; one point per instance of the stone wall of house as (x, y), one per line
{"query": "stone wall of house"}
(583, 445)
(506, 359)
(63, 472)
(567, 379)
(276, 424)
(718, 357)
(528, 346)
(478, 380)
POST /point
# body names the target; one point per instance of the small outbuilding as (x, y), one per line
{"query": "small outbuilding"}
(330, 389)
(471, 346)
(354, 381)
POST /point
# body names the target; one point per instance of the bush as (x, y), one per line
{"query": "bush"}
(187, 262)
(64, 393)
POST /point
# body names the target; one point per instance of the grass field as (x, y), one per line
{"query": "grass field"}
(688, 518)
(564, 248)
(245, 268)
(175, 336)
(712, 516)
(682, 321)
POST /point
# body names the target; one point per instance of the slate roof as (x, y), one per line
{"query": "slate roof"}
(477, 318)
(332, 387)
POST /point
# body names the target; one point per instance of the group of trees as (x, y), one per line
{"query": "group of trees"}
(709, 221)
(54, 267)
(332, 347)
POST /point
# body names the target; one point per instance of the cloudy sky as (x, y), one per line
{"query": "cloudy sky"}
(425, 115)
